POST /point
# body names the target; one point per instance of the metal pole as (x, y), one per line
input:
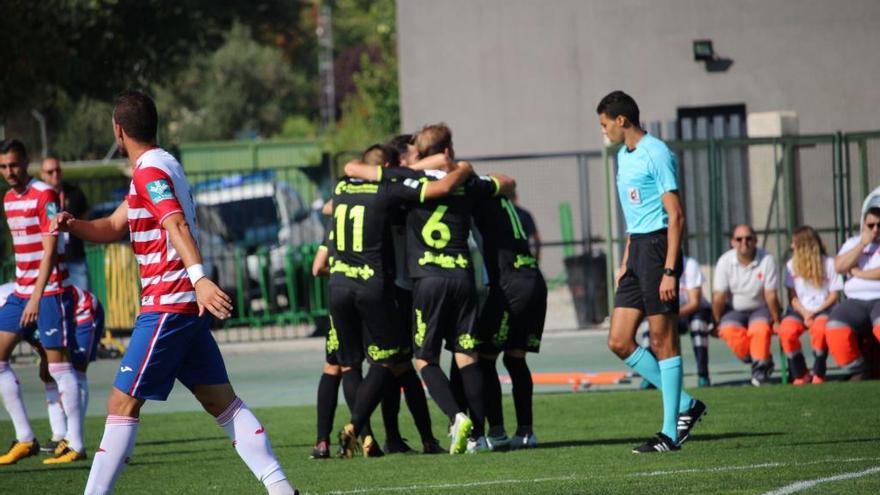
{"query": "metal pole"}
(586, 221)
(43, 139)
(609, 231)
(788, 181)
(324, 32)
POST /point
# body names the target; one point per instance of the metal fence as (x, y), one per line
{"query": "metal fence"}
(774, 184)
(259, 230)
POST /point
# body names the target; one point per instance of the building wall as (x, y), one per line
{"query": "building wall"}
(524, 76)
(516, 76)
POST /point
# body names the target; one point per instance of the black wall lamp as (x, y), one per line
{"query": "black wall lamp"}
(704, 52)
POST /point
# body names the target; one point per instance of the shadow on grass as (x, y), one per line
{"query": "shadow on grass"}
(707, 437)
(827, 442)
(79, 466)
(181, 440)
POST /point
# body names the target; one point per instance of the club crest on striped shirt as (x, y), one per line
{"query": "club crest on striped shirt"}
(159, 191)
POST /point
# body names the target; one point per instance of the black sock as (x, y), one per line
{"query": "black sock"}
(472, 378)
(457, 386)
(797, 365)
(369, 395)
(351, 381)
(819, 364)
(702, 355)
(391, 409)
(417, 403)
(492, 394)
(328, 396)
(521, 379)
(438, 386)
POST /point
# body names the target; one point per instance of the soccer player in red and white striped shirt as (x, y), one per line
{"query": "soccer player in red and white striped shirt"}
(171, 339)
(41, 298)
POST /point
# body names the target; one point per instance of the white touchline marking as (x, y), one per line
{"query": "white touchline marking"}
(803, 485)
(450, 485)
(572, 477)
(753, 466)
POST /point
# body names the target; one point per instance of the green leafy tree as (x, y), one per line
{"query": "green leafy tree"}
(242, 88)
(372, 112)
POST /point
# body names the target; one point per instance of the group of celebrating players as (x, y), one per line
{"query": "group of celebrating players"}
(402, 288)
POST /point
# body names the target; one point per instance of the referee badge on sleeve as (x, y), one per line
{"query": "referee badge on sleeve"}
(634, 197)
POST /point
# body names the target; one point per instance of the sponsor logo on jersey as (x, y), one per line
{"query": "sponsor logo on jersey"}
(51, 332)
(51, 210)
(125, 369)
(159, 191)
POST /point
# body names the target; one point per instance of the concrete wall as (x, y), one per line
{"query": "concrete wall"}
(525, 75)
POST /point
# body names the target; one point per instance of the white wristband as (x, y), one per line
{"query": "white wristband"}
(196, 272)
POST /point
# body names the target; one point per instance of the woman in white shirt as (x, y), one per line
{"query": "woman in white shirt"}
(813, 289)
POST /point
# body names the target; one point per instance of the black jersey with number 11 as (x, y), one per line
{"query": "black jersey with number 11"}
(360, 229)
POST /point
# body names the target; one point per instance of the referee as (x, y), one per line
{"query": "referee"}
(647, 280)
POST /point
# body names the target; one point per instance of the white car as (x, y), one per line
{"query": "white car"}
(250, 212)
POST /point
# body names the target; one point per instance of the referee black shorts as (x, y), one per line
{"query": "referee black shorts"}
(444, 309)
(640, 285)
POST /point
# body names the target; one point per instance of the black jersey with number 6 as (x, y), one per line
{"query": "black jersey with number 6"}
(360, 235)
(437, 230)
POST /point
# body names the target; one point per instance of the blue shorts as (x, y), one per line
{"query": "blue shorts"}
(84, 348)
(165, 347)
(56, 321)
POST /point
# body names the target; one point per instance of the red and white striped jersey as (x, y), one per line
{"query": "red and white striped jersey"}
(159, 189)
(29, 215)
(86, 306)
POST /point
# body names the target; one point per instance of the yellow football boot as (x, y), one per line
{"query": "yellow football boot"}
(66, 456)
(348, 442)
(60, 448)
(371, 447)
(20, 450)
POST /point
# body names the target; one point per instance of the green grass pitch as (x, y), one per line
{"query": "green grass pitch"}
(754, 440)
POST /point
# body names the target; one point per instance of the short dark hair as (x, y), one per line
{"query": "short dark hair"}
(751, 229)
(401, 142)
(15, 145)
(136, 113)
(874, 210)
(433, 139)
(380, 154)
(619, 103)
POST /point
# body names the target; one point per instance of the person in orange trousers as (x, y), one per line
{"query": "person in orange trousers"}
(745, 303)
(813, 289)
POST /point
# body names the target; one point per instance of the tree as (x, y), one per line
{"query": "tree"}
(243, 88)
(371, 113)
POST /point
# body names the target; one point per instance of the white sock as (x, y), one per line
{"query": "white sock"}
(251, 441)
(113, 454)
(57, 418)
(10, 391)
(82, 382)
(68, 389)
